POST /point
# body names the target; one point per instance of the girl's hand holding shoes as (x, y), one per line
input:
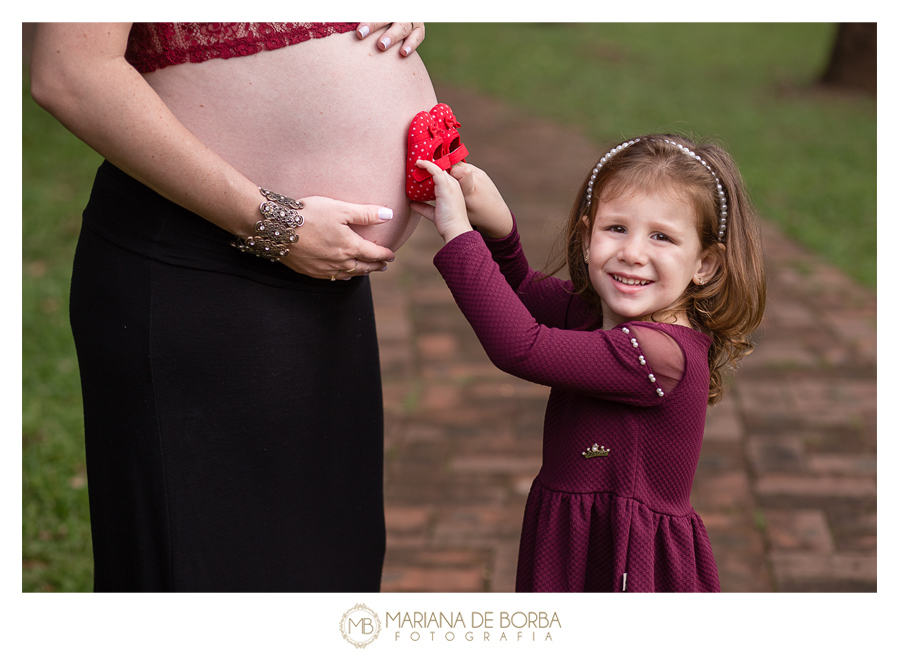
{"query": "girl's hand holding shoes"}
(482, 204)
(449, 210)
(486, 208)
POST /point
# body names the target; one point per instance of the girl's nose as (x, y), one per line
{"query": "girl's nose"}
(632, 251)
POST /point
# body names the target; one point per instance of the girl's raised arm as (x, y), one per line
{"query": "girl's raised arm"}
(596, 363)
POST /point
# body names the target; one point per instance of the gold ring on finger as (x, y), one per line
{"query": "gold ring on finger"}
(354, 267)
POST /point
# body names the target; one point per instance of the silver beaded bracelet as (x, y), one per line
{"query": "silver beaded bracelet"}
(275, 231)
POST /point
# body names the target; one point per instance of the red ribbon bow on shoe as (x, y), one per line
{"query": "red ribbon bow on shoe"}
(433, 136)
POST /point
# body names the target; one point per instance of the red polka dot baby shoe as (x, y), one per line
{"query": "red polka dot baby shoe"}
(433, 136)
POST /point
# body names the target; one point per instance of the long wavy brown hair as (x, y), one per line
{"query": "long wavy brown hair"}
(728, 307)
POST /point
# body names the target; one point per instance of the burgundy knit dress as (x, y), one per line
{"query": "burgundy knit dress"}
(615, 522)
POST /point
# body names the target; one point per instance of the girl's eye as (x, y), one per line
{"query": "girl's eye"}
(662, 236)
(616, 229)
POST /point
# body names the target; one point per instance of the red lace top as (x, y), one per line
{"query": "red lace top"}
(154, 46)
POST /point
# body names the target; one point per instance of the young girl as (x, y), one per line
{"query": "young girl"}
(667, 284)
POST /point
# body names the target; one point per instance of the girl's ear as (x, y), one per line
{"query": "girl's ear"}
(586, 232)
(710, 263)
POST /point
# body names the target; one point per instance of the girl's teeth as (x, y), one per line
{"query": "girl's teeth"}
(630, 282)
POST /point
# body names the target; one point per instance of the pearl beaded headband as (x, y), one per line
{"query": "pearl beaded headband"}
(723, 206)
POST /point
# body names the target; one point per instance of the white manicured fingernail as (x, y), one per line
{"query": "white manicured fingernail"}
(407, 50)
(363, 31)
(386, 42)
(385, 213)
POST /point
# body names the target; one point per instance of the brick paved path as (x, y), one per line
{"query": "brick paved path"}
(787, 478)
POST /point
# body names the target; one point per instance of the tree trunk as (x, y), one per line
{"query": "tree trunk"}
(854, 58)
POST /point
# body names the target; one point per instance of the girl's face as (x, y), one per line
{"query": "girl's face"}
(643, 252)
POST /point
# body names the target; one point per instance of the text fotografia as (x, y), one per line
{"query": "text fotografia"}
(477, 626)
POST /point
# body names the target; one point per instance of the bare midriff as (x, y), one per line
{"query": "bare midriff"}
(327, 117)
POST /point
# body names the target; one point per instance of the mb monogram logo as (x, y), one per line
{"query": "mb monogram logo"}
(360, 626)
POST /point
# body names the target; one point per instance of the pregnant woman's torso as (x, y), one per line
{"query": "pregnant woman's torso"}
(325, 117)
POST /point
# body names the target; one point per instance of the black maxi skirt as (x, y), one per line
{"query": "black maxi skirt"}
(232, 408)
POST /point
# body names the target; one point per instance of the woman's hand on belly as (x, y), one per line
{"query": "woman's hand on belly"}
(409, 35)
(327, 247)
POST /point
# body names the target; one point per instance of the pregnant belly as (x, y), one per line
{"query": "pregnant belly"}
(326, 117)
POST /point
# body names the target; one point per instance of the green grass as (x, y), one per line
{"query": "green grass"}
(808, 157)
(57, 170)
